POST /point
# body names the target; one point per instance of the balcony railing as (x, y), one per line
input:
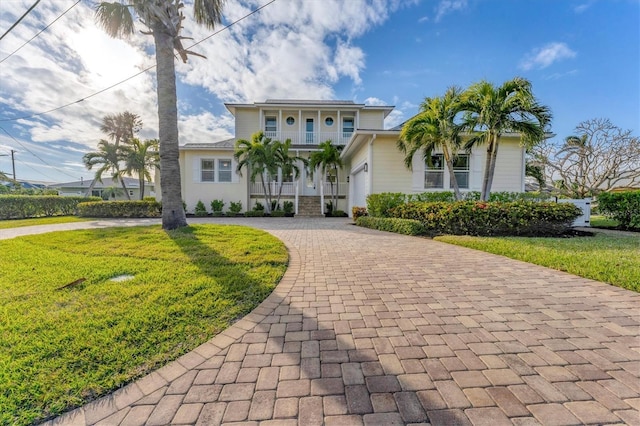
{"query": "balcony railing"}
(310, 138)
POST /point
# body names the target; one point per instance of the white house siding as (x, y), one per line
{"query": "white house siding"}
(195, 190)
(247, 123)
(388, 170)
(509, 175)
(371, 120)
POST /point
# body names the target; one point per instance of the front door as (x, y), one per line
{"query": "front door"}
(309, 133)
(309, 182)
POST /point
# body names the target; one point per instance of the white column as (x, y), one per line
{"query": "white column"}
(300, 128)
(339, 127)
(279, 127)
(317, 132)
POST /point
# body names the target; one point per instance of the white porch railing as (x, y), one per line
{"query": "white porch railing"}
(288, 188)
(340, 189)
(311, 138)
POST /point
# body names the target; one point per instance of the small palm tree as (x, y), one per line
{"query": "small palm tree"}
(163, 18)
(328, 160)
(491, 111)
(107, 158)
(259, 156)
(139, 158)
(434, 128)
(121, 127)
(288, 164)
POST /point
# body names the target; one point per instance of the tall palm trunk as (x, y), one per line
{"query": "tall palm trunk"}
(173, 215)
(124, 187)
(490, 165)
(141, 185)
(452, 175)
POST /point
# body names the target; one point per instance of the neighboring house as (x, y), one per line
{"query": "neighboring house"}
(372, 162)
(79, 188)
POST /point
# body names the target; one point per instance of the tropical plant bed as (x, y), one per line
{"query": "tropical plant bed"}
(603, 222)
(19, 223)
(614, 260)
(71, 334)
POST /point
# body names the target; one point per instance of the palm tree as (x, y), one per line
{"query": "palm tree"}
(287, 163)
(328, 160)
(259, 156)
(108, 158)
(139, 158)
(163, 18)
(577, 146)
(121, 127)
(434, 128)
(491, 111)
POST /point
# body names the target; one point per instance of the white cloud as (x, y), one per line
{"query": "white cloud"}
(583, 6)
(448, 6)
(544, 56)
(291, 49)
(372, 101)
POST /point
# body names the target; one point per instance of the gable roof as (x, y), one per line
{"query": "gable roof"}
(106, 183)
(224, 145)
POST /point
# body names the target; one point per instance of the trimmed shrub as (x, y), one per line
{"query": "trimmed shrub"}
(486, 218)
(254, 213)
(200, 209)
(339, 213)
(399, 226)
(120, 209)
(217, 206)
(278, 213)
(235, 208)
(621, 206)
(287, 206)
(380, 205)
(26, 206)
(357, 212)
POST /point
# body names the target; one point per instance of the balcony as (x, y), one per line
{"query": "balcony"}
(310, 138)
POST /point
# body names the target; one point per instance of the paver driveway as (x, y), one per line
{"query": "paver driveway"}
(376, 328)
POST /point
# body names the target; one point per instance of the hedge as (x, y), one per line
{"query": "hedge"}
(143, 208)
(621, 206)
(26, 206)
(380, 205)
(486, 218)
(399, 226)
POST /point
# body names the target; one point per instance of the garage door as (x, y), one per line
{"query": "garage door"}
(359, 198)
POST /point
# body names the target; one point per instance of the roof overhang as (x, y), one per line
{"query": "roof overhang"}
(361, 136)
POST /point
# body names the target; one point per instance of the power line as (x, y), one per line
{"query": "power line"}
(21, 18)
(34, 154)
(136, 74)
(40, 32)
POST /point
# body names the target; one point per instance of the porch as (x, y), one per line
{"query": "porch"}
(297, 191)
(310, 138)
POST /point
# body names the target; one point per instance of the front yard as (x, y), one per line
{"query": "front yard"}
(615, 260)
(65, 344)
(19, 223)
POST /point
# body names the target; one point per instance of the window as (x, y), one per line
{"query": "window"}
(461, 171)
(207, 171)
(130, 192)
(270, 126)
(224, 170)
(435, 176)
(347, 126)
(328, 121)
(290, 121)
(434, 172)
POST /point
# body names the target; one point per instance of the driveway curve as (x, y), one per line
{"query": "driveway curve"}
(375, 328)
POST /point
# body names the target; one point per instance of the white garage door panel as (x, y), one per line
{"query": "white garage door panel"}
(359, 197)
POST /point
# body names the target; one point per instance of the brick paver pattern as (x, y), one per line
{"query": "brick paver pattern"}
(374, 328)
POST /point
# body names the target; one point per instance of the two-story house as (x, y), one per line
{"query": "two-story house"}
(372, 162)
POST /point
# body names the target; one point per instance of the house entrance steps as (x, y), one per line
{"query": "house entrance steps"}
(309, 206)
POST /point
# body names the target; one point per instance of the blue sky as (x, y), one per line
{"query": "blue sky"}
(582, 56)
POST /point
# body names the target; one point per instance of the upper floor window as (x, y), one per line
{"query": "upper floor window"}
(348, 125)
(328, 121)
(270, 124)
(290, 121)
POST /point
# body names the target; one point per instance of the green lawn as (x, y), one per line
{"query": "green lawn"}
(61, 348)
(615, 260)
(18, 223)
(603, 222)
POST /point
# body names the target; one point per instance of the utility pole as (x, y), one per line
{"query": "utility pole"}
(13, 162)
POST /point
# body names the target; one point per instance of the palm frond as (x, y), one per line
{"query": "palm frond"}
(115, 18)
